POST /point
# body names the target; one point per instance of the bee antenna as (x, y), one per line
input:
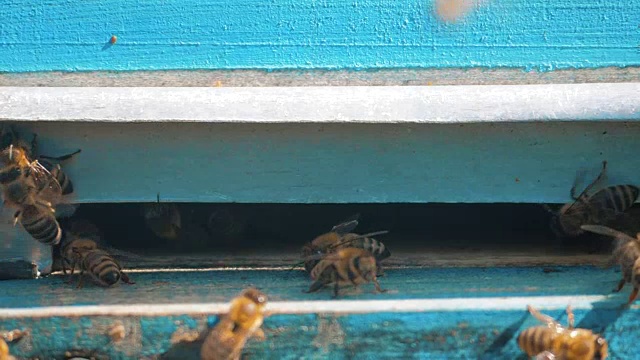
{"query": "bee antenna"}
(382, 232)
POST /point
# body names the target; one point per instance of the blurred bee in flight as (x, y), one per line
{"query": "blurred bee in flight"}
(347, 266)
(163, 219)
(341, 237)
(243, 321)
(454, 10)
(597, 208)
(79, 249)
(626, 253)
(31, 188)
(554, 341)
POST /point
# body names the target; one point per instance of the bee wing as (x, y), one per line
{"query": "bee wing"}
(345, 227)
(354, 238)
(545, 355)
(49, 188)
(607, 231)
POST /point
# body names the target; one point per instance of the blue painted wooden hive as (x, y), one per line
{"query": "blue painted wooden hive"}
(447, 123)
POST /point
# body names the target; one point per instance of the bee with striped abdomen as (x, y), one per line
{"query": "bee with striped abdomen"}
(566, 343)
(626, 253)
(79, 238)
(243, 321)
(340, 237)
(103, 269)
(347, 266)
(598, 208)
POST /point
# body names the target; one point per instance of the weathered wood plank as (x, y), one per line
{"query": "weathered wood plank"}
(464, 314)
(407, 104)
(293, 34)
(261, 78)
(338, 163)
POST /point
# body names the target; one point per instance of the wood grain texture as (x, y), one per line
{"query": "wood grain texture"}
(261, 78)
(484, 326)
(338, 163)
(368, 104)
(192, 34)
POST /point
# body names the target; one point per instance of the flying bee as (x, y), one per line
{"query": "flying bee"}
(553, 340)
(163, 219)
(599, 208)
(103, 269)
(626, 253)
(339, 237)
(243, 321)
(347, 266)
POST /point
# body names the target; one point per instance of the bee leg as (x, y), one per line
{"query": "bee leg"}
(16, 217)
(125, 278)
(336, 289)
(81, 279)
(620, 286)
(633, 296)
(377, 285)
(570, 317)
(317, 285)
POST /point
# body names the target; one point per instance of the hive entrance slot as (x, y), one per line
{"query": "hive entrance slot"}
(272, 235)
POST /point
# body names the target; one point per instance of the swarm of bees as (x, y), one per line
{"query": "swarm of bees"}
(554, 341)
(243, 321)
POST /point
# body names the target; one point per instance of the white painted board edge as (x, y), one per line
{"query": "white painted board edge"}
(581, 302)
(325, 104)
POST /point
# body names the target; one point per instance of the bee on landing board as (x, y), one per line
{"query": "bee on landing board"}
(554, 341)
(626, 253)
(340, 237)
(79, 249)
(598, 208)
(243, 321)
(347, 266)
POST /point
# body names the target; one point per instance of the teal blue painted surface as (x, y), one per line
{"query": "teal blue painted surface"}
(338, 163)
(219, 286)
(474, 334)
(435, 335)
(333, 34)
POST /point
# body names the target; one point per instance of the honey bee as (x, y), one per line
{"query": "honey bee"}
(79, 238)
(454, 10)
(347, 266)
(244, 319)
(599, 208)
(30, 188)
(4, 351)
(163, 219)
(626, 253)
(555, 341)
(103, 269)
(341, 237)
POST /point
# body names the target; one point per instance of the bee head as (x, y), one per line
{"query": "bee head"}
(255, 295)
(367, 265)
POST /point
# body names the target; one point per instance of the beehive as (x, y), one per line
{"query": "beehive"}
(298, 114)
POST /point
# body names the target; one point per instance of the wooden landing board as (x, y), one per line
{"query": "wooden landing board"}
(434, 313)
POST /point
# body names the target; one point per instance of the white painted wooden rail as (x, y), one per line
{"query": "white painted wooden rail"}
(367, 104)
